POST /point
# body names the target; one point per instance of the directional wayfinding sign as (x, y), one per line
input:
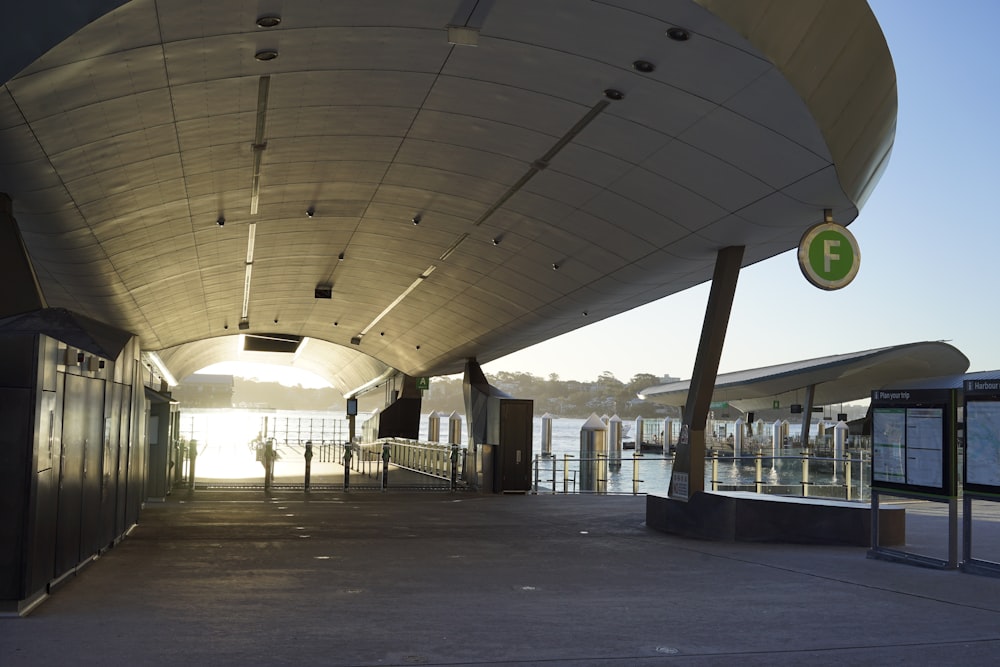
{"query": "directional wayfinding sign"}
(982, 437)
(913, 442)
(914, 452)
(423, 384)
(829, 256)
(982, 463)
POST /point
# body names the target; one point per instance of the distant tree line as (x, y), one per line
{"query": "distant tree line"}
(561, 398)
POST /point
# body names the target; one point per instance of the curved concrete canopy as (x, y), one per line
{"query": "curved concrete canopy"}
(128, 129)
(838, 378)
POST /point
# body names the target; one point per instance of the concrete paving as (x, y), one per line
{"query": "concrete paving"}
(436, 578)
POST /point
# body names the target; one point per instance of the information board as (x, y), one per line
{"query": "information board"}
(913, 441)
(982, 436)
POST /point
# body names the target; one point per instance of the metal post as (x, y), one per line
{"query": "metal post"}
(552, 462)
(385, 466)
(636, 455)
(715, 471)
(536, 474)
(454, 467)
(602, 471)
(192, 457)
(347, 466)
(966, 530)
(805, 474)
(758, 482)
(953, 532)
(309, 457)
(874, 521)
(565, 473)
(847, 472)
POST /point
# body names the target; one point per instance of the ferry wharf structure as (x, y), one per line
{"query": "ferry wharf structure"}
(381, 192)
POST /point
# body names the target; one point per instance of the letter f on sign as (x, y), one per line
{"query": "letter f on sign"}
(828, 254)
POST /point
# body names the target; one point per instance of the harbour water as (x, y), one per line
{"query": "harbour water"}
(653, 470)
(225, 450)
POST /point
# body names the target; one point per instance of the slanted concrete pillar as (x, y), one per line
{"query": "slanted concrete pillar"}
(688, 476)
(807, 410)
(21, 293)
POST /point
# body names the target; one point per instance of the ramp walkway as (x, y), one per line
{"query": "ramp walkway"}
(229, 469)
(403, 578)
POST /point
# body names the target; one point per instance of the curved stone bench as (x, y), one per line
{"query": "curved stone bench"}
(741, 516)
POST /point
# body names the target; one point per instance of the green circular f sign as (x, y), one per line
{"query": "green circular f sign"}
(829, 256)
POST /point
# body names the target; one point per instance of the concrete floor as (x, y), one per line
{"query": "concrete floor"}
(434, 578)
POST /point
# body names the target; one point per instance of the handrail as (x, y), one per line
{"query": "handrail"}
(846, 477)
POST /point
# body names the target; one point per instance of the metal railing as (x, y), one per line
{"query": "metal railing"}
(432, 462)
(803, 475)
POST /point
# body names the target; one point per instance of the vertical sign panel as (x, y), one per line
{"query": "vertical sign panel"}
(888, 445)
(913, 441)
(982, 436)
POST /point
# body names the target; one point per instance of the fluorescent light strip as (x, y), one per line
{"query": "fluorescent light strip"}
(453, 247)
(388, 373)
(263, 86)
(165, 373)
(246, 293)
(423, 276)
(251, 240)
(543, 162)
(255, 183)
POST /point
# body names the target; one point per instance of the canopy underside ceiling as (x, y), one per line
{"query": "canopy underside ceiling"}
(456, 201)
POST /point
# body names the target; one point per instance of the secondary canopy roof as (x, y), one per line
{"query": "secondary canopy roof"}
(838, 378)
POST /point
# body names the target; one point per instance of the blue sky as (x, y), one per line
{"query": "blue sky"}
(929, 234)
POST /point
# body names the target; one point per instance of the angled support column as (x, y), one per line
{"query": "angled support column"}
(807, 410)
(688, 476)
(22, 293)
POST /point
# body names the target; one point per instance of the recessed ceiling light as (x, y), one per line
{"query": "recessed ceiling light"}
(643, 66)
(310, 212)
(415, 219)
(268, 21)
(266, 54)
(220, 221)
(678, 34)
(555, 267)
(613, 94)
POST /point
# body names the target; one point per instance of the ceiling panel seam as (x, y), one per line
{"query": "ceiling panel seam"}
(76, 207)
(184, 178)
(330, 279)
